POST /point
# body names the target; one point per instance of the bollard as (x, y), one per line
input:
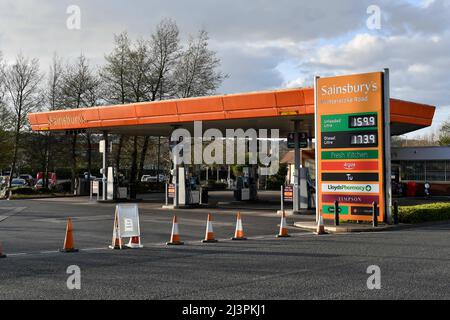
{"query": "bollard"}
(336, 213)
(395, 214)
(375, 215)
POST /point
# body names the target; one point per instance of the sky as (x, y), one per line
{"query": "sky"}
(263, 44)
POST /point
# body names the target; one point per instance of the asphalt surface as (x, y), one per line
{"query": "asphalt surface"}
(414, 263)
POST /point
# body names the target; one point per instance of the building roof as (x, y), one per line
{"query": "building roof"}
(420, 153)
(269, 108)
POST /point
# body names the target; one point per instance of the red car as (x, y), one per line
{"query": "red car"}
(51, 180)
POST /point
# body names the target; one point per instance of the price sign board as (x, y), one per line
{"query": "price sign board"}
(302, 140)
(171, 190)
(350, 145)
(288, 193)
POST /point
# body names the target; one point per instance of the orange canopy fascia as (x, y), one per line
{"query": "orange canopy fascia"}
(277, 103)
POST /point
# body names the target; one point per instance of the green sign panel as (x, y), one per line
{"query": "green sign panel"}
(330, 209)
(348, 122)
(351, 154)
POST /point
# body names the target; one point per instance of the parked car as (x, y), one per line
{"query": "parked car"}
(18, 183)
(28, 178)
(51, 180)
(4, 179)
(152, 178)
(86, 176)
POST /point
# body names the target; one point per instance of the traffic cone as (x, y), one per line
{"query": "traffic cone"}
(116, 242)
(320, 226)
(283, 230)
(239, 233)
(175, 237)
(2, 255)
(135, 243)
(68, 240)
(209, 236)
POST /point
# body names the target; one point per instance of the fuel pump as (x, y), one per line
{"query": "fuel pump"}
(246, 188)
(188, 187)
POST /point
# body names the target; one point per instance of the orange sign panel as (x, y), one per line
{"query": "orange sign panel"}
(350, 145)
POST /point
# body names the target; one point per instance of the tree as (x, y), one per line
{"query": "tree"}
(92, 99)
(5, 124)
(163, 55)
(114, 76)
(54, 101)
(197, 73)
(22, 82)
(77, 79)
(444, 136)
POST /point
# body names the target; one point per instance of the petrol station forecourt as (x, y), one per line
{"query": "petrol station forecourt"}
(263, 267)
(288, 111)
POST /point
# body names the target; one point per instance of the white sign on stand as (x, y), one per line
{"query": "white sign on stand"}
(110, 184)
(126, 225)
(101, 146)
(95, 189)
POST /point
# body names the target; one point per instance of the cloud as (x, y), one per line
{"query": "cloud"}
(263, 44)
(419, 65)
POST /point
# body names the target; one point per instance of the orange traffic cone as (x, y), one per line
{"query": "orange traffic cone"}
(239, 233)
(175, 237)
(209, 236)
(2, 255)
(135, 243)
(68, 241)
(283, 230)
(320, 226)
(116, 242)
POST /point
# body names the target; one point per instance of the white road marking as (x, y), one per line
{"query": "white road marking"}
(160, 244)
(74, 219)
(200, 244)
(16, 254)
(11, 211)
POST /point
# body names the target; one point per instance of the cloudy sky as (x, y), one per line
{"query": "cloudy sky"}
(263, 44)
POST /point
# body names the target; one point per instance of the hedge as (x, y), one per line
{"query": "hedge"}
(424, 212)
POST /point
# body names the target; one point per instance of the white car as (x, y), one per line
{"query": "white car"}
(145, 178)
(150, 178)
(18, 183)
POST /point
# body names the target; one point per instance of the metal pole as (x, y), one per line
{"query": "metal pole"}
(282, 199)
(175, 199)
(316, 130)
(387, 146)
(395, 215)
(105, 159)
(375, 215)
(297, 165)
(336, 213)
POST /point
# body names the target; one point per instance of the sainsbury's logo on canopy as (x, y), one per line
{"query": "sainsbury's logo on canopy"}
(363, 88)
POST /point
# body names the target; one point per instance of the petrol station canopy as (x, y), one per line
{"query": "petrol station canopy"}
(275, 109)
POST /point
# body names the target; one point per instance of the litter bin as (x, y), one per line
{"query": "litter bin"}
(82, 187)
(204, 195)
(411, 189)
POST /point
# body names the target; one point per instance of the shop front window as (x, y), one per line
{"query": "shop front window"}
(413, 170)
(435, 170)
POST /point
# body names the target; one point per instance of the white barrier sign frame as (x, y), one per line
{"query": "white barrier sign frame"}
(126, 224)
